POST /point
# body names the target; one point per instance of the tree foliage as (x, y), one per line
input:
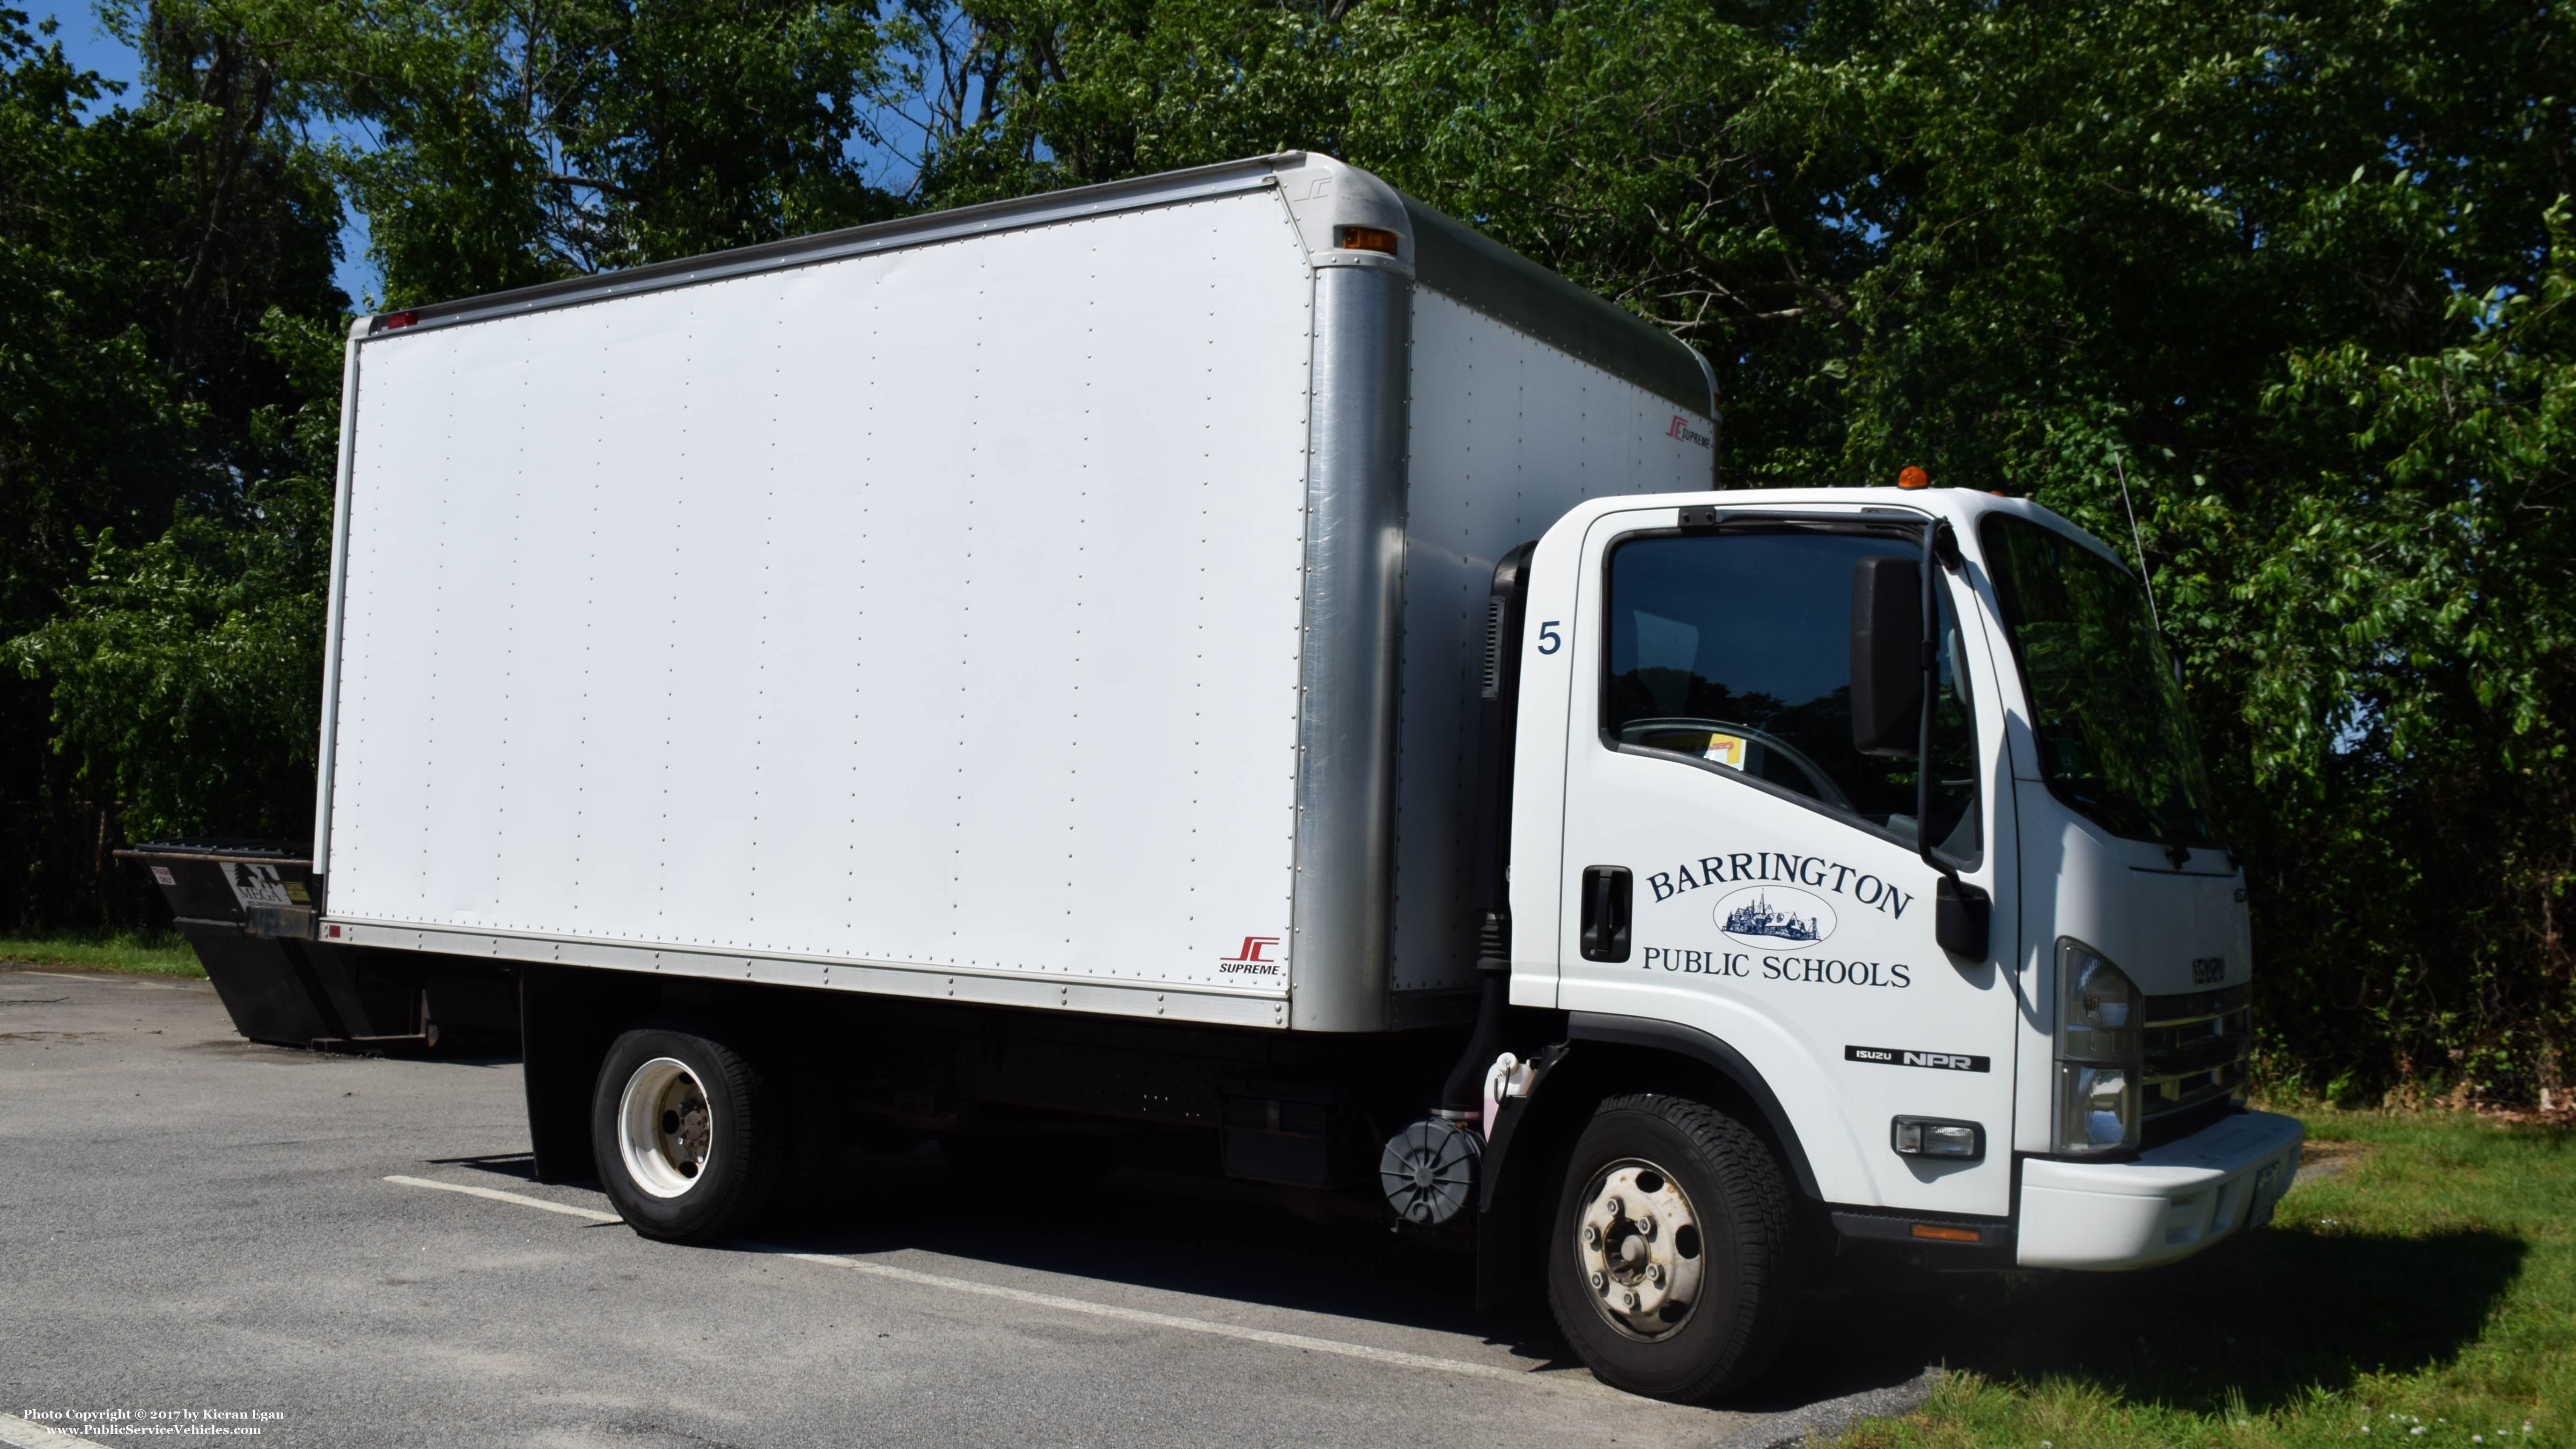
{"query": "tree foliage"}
(499, 143)
(2408, 663)
(601, 134)
(187, 670)
(149, 256)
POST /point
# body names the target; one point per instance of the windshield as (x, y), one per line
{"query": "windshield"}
(2113, 740)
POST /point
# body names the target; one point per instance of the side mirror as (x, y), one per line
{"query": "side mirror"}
(1887, 655)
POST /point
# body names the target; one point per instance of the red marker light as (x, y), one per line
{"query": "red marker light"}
(400, 319)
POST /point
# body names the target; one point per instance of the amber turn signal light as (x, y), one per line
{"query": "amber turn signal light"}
(1948, 1235)
(1365, 239)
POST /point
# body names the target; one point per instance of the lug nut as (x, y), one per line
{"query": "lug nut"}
(1599, 1283)
(1616, 1207)
(1645, 1227)
(1632, 1301)
(1591, 1235)
(1655, 1273)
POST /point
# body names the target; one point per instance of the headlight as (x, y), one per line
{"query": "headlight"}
(2098, 1110)
(2098, 1054)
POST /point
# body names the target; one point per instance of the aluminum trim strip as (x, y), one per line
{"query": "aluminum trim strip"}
(1341, 919)
(327, 748)
(880, 978)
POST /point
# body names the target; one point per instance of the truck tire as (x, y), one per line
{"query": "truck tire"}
(1672, 1258)
(690, 1137)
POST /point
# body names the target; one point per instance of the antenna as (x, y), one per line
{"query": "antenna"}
(2139, 548)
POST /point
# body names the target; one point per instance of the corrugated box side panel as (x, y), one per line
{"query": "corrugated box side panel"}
(1506, 434)
(934, 608)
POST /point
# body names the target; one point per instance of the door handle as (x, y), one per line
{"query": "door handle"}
(1606, 893)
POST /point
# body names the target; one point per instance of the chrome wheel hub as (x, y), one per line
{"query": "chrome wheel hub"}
(1638, 1245)
(665, 1131)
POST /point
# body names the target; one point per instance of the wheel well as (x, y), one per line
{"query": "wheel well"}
(1651, 1053)
(569, 1017)
(1594, 1071)
(1512, 1229)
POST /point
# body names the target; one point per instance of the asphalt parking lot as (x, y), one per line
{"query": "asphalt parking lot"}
(349, 1248)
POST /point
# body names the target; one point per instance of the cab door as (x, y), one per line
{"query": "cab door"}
(1733, 862)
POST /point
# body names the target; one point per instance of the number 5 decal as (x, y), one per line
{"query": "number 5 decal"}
(1549, 641)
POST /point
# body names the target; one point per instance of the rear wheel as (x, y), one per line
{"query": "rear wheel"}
(689, 1140)
(1671, 1260)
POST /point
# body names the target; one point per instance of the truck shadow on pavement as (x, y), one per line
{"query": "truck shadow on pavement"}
(2270, 1315)
(1157, 1230)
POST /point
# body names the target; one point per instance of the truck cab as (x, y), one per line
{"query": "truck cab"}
(1990, 1012)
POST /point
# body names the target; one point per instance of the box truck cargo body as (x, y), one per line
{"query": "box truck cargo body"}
(1033, 610)
(1236, 670)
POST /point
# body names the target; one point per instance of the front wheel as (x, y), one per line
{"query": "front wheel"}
(1671, 1261)
(689, 1140)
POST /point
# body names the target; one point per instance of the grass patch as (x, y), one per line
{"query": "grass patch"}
(149, 955)
(2424, 1294)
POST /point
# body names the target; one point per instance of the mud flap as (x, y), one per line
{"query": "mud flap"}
(1504, 1265)
(567, 1020)
(1502, 1252)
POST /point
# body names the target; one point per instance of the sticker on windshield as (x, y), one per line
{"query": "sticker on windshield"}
(1727, 750)
(1764, 915)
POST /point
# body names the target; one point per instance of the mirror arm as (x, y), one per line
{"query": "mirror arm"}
(1923, 724)
(1961, 912)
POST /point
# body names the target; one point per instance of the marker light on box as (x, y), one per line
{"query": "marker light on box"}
(1365, 239)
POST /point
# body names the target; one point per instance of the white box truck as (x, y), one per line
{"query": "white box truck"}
(1235, 670)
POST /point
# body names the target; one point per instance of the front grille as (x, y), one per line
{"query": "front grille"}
(2197, 1044)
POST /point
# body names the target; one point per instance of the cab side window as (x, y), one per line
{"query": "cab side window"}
(1733, 651)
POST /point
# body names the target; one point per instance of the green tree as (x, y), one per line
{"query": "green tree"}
(186, 672)
(143, 251)
(510, 142)
(2413, 631)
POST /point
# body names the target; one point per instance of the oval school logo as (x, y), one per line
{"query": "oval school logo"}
(1771, 915)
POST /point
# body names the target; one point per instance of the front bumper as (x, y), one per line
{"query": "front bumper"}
(2168, 1203)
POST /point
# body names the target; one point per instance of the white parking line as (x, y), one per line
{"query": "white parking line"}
(523, 1200)
(1159, 1320)
(1070, 1305)
(25, 1435)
